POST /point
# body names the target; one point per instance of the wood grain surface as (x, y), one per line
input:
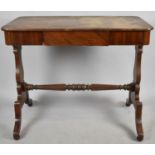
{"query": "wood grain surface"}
(69, 23)
(77, 31)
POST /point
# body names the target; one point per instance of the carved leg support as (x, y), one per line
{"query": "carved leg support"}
(134, 95)
(17, 127)
(139, 127)
(23, 88)
(138, 104)
(22, 94)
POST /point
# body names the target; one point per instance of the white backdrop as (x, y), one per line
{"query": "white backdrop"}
(76, 117)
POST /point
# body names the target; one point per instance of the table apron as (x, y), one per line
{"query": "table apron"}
(77, 38)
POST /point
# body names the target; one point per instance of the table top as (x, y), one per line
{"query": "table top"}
(74, 23)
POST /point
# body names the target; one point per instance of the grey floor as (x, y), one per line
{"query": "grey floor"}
(79, 117)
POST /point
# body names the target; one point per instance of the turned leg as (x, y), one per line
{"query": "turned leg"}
(22, 94)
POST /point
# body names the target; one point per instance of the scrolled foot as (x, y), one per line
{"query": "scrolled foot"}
(139, 126)
(17, 126)
(128, 103)
(16, 136)
(16, 132)
(29, 102)
(140, 137)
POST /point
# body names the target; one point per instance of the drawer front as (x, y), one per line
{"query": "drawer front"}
(79, 38)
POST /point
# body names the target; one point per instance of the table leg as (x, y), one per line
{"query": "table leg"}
(138, 103)
(22, 94)
(134, 95)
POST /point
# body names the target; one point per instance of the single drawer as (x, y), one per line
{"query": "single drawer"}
(84, 38)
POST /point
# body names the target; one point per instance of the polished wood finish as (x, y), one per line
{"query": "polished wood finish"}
(134, 95)
(93, 87)
(23, 38)
(91, 31)
(76, 23)
(77, 38)
(82, 31)
(86, 38)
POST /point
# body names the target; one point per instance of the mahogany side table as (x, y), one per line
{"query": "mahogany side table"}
(79, 31)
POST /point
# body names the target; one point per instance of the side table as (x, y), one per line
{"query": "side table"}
(77, 31)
